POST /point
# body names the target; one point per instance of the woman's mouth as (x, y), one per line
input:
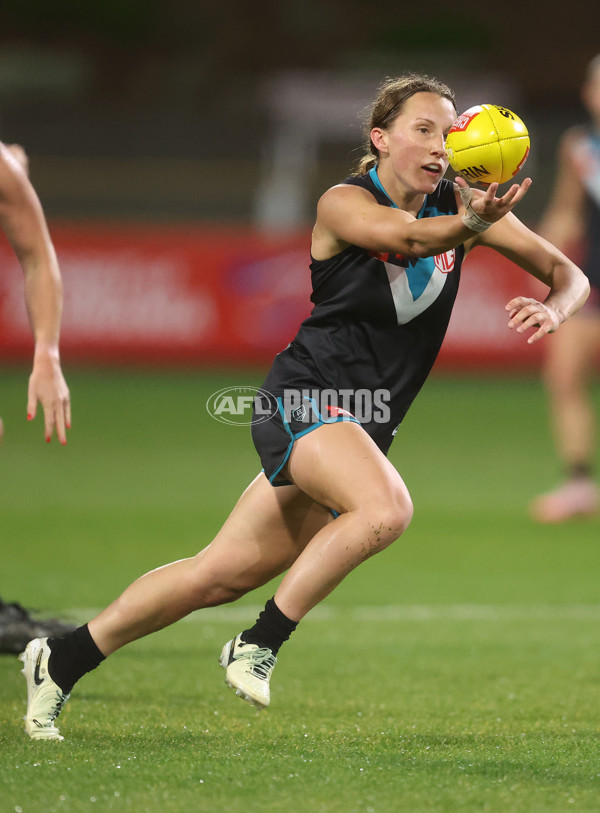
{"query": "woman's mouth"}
(433, 169)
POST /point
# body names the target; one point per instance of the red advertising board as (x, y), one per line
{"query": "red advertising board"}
(478, 335)
(224, 295)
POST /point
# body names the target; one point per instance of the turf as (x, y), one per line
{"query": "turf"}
(457, 671)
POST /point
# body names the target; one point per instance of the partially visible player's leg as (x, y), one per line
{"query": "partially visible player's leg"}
(18, 627)
(567, 373)
(567, 369)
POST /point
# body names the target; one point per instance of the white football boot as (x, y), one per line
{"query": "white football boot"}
(44, 698)
(248, 670)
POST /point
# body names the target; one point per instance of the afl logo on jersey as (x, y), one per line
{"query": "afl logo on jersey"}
(445, 262)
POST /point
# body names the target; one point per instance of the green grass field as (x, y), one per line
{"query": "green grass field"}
(457, 671)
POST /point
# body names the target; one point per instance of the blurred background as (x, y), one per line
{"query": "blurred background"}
(179, 150)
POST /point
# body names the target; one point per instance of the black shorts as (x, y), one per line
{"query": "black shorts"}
(274, 438)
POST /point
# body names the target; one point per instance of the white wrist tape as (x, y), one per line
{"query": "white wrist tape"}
(471, 219)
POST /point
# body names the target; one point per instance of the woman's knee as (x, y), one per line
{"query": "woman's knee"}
(398, 514)
(567, 389)
(209, 586)
(563, 380)
(213, 581)
(388, 518)
(216, 592)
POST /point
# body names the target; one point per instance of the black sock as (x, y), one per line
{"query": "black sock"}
(580, 471)
(272, 628)
(72, 657)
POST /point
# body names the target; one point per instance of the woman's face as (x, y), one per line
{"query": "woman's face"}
(414, 145)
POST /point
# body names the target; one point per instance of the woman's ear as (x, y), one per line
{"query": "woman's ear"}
(379, 139)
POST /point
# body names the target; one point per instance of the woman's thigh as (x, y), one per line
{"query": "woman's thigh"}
(340, 466)
(266, 531)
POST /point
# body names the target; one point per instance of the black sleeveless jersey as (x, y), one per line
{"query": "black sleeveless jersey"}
(378, 320)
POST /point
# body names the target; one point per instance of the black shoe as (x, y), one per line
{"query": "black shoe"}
(17, 628)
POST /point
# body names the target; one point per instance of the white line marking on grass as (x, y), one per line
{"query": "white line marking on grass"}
(246, 613)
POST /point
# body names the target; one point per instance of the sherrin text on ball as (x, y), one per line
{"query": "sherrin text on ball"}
(487, 143)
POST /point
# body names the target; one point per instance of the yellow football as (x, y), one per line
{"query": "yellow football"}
(487, 143)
